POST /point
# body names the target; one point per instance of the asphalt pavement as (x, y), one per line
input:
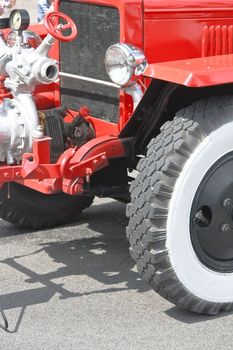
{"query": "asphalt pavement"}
(76, 287)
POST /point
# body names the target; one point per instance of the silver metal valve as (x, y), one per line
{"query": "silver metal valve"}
(24, 68)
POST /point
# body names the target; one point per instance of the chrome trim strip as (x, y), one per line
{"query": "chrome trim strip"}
(91, 80)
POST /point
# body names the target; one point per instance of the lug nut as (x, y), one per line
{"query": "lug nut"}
(227, 202)
(225, 228)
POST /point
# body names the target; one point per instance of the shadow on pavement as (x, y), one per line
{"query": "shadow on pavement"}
(190, 318)
(104, 258)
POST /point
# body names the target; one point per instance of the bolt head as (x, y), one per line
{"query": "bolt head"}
(227, 202)
(84, 111)
(78, 188)
(225, 228)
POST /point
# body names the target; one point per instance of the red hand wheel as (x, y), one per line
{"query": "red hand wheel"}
(56, 29)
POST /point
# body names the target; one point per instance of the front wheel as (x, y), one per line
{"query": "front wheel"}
(181, 212)
(30, 209)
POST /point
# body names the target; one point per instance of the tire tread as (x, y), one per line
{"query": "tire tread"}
(166, 156)
(46, 211)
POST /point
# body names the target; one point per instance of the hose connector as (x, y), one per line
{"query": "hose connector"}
(45, 70)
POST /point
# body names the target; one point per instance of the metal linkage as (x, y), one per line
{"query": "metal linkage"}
(68, 174)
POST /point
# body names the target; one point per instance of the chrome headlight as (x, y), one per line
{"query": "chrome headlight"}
(124, 63)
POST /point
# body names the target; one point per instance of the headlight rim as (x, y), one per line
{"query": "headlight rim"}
(134, 57)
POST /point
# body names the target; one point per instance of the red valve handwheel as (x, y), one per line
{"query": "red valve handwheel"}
(55, 28)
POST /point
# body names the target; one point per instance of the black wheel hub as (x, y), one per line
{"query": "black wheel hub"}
(211, 221)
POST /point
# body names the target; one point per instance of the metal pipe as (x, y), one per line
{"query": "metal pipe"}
(90, 80)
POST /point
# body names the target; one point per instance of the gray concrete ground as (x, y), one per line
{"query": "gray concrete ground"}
(76, 287)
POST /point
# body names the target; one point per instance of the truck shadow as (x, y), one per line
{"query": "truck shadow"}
(100, 253)
(187, 317)
(96, 261)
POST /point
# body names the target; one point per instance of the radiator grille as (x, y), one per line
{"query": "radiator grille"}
(217, 40)
(99, 27)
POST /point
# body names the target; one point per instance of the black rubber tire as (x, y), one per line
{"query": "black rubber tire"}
(151, 193)
(29, 209)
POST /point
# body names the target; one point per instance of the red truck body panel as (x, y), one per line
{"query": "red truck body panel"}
(189, 29)
(196, 72)
(174, 30)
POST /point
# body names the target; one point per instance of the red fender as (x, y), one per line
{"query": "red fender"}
(195, 72)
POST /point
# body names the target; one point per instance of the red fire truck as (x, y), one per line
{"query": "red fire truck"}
(141, 87)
